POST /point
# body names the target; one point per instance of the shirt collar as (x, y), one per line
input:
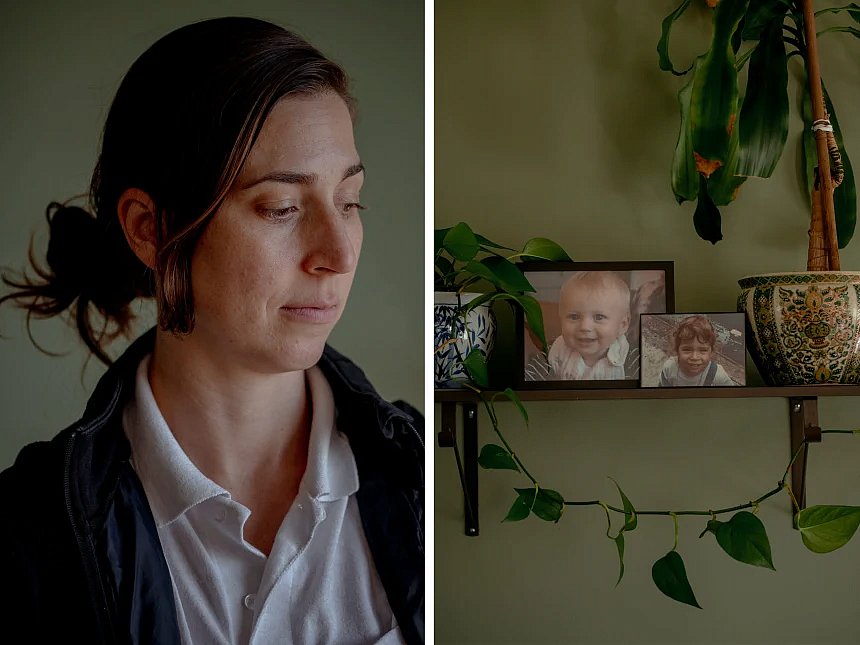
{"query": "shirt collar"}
(174, 484)
(331, 472)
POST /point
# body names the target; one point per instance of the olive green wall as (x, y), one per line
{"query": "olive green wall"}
(553, 119)
(60, 64)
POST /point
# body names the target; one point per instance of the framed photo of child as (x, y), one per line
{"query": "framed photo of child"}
(591, 316)
(693, 350)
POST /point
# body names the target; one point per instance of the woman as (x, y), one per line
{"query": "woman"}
(233, 478)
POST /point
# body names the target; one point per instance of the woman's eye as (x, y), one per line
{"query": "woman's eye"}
(279, 213)
(352, 207)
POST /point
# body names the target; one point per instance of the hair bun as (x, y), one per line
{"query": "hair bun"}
(74, 233)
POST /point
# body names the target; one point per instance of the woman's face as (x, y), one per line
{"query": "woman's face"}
(273, 268)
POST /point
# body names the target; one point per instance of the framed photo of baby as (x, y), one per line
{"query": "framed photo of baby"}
(591, 321)
(693, 350)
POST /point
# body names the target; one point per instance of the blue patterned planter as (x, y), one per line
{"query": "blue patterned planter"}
(478, 330)
(803, 328)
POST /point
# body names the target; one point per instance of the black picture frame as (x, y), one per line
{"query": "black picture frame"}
(730, 367)
(668, 269)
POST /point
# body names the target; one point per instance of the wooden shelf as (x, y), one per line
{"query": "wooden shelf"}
(799, 391)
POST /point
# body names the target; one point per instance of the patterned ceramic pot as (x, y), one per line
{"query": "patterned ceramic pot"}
(803, 328)
(479, 328)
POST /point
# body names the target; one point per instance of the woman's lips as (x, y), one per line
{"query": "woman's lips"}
(311, 314)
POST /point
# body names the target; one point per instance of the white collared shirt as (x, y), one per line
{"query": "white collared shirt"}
(319, 584)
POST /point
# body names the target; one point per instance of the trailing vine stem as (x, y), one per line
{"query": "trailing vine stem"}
(488, 405)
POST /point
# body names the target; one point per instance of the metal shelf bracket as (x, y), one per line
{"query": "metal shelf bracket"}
(803, 413)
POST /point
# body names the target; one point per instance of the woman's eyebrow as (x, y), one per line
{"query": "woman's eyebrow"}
(305, 179)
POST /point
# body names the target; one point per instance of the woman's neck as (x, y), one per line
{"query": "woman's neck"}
(246, 431)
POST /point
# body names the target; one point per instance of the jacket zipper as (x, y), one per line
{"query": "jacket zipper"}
(82, 547)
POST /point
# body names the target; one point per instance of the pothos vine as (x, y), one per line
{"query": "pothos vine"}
(743, 537)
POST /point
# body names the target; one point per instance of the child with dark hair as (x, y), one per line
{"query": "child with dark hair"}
(694, 342)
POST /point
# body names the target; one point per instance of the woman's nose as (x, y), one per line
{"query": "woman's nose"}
(330, 245)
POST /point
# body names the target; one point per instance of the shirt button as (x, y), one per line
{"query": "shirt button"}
(250, 601)
(219, 517)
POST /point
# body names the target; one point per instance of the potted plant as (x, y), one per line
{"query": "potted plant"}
(803, 328)
(463, 319)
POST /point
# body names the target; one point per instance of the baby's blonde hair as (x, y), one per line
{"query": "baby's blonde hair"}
(607, 281)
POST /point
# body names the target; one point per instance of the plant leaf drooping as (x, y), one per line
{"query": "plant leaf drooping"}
(476, 366)
(547, 504)
(744, 538)
(670, 576)
(495, 457)
(461, 242)
(826, 528)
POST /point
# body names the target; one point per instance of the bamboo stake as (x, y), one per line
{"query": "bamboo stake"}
(818, 114)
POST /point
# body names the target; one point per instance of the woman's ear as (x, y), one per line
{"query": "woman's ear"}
(136, 212)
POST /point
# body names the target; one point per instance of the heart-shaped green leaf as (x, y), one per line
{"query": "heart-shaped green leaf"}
(439, 238)
(826, 528)
(476, 366)
(630, 519)
(548, 504)
(513, 397)
(519, 511)
(461, 242)
(670, 576)
(495, 457)
(540, 248)
(744, 538)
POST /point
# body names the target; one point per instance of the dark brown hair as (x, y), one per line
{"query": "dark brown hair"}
(694, 328)
(180, 128)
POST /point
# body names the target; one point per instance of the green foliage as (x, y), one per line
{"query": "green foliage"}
(540, 248)
(476, 367)
(706, 217)
(495, 457)
(712, 111)
(826, 528)
(461, 243)
(630, 523)
(519, 510)
(714, 100)
(764, 117)
(670, 576)
(547, 504)
(511, 395)
(458, 266)
(619, 544)
(630, 519)
(663, 45)
(744, 538)
(685, 177)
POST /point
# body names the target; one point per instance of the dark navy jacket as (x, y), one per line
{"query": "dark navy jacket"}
(81, 558)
